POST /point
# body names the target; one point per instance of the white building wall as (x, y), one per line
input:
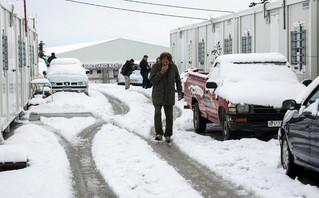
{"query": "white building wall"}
(15, 81)
(269, 28)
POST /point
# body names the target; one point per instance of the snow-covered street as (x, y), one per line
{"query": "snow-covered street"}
(102, 146)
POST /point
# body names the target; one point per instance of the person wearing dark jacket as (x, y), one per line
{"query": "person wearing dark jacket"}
(164, 75)
(51, 57)
(127, 70)
(145, 69)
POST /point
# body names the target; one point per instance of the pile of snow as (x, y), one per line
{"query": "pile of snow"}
(48, 168)
(260, 79)
(38, 99)
(13, 153)
(138, 172)
(70, 102)
(40, 81)
(65, 66)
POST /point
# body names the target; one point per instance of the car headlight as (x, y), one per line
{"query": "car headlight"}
(52, 83)
(238, 109)
(242, 108)
(83, 83)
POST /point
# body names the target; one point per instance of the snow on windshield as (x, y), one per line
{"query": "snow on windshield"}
(65, 66)
(260, 79)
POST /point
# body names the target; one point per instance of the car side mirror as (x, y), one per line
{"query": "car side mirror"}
(211, 85)
(290, 105)
(44, 73)
(306, 82)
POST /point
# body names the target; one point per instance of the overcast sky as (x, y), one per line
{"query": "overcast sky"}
(60, 22)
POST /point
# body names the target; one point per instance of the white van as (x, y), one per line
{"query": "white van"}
(67, 74)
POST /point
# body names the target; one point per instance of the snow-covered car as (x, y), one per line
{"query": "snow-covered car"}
(135, 78)
(299, 134)
(242, 92)
(67, 74)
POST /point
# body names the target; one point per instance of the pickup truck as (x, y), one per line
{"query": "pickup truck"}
(242, 92)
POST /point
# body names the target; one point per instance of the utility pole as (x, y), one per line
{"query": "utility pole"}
(25, 16)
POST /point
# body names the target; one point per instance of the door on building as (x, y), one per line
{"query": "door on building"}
(274, 32)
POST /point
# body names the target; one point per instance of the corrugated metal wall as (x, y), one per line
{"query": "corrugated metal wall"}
(18, 57)
(268, 28)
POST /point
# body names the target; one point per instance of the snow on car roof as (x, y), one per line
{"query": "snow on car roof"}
(65, 61)
(257, 80)
(65, 66)
(254, 57)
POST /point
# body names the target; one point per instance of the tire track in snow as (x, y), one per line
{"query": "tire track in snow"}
(201, 178)
(87, 180)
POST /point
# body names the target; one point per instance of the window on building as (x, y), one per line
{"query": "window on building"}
(5, 52)
(298, 47)
(228, 45)
(246, 43)
(189, 52)
(115, 72)
(201, 52)
(99, 71)
(20, 52)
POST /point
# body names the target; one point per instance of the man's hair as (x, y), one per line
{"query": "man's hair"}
(166, 55)
(132, 60)
(145, 56)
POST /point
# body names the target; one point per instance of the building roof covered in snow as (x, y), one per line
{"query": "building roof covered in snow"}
(108, 54)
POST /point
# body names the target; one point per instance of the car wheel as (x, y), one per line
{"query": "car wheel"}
(287, 160)
(226, 131)
(199, 121)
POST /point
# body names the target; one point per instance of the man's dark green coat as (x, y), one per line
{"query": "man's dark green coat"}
(164, 84)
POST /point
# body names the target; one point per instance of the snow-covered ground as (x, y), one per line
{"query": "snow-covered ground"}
(249, 163)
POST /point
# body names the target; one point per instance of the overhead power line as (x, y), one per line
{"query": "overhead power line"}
(138, 11)
(181, 7)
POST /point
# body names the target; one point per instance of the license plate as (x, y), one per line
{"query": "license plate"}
(66, 88)
(274, 123)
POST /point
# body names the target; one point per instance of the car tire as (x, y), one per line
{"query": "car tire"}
(287, 159)
(198, 120)
(226, 132)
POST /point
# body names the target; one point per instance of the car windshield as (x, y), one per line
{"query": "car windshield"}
(313, 98)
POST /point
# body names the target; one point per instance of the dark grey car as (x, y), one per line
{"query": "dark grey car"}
(299, 134)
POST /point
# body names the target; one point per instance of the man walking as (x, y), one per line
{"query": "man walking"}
(164, 76)
(127, 70)
(145, 69)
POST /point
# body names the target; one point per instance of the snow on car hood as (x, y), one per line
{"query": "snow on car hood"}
(258, 84)
(67, 78)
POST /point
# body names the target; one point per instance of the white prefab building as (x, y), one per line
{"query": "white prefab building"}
(18, 60)
(104, 58)
(289, 27)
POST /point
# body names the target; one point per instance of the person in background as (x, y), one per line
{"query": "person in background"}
(51, 57)
(164, 75)
(158, 60)
(145, 69)
(127, 70)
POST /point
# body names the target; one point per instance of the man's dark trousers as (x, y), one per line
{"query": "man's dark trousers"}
(145, 78)
(158, 120)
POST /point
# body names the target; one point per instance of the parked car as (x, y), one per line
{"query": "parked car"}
(242, 92)
(67, 74)
(299, 134)
(135, 78)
